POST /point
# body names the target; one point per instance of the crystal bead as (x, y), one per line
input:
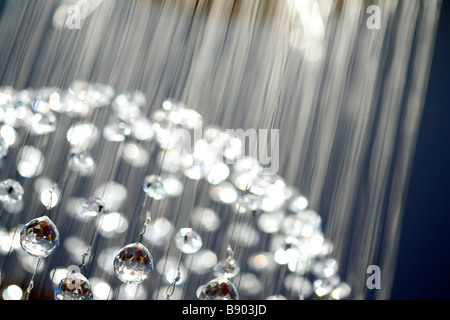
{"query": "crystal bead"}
(302, 223)
(82, 162)
(39, 237)
(188, 241)
(227, 268)
(82, 135)
(154, 187)
(270, 222)
(141, 129)
(262, 261)
(11, 191)
(325, 268)
(42, 124)
(133, 263)
(219, 289)
(323, 287)
(299, 203)
(205, 218)
(186, 118)
(218, 173)
(91, 207)
(74, 287)
(248, 203)
(124, 100)
(95, 94)
(116, 131)
(341, 291)
(224, 192)
(4, 147)
(202, 262)
(250, 284)
(300, 285)
(173, 186)
(6, 95)
(31, 162)
(159, 231)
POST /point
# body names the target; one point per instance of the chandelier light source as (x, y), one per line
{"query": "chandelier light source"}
(206, 149)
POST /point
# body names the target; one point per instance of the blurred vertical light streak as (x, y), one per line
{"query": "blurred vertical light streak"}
(347, 101)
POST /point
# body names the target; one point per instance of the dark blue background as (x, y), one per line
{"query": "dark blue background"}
(423, 268)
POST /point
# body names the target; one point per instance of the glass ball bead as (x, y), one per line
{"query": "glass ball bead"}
(219, 289)
(74, 287)
(91, 207)
(227, 268)
(133, 263)
(116, 131)
(188, 241)
(11, 191)
(154, 187)
(39, 237)
(82, 162)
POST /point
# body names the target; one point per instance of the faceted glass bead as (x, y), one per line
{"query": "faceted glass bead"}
(31, 162)
(133, 263)
(74, 287)
(39, 237)
(323, 287)
(227, 268)
(95, 94)
(188, 241)
(4, 147)
(91, 207)
(219, 289)
(325, 268)
(42, 124)
(248, 203)
(341, 291)
(124, 100)
(116, 132)
(82, 162)
(11, 191)
(186, 118)
(154, 187)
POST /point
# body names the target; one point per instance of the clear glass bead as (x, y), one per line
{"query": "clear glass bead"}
(248, 203)
(74, 287)
(116, 131)
(219, 289)
(186, 118)
(124, 100)
(95, 94)
(39, 237)
(42, 124)
(302, 223)
(91, 207)
(82, 135)
(82, 162)
(31, 162)
(133, 263)
(325, 268)
(262, 262)
(11, 191)
(7, 95)
(188, 241)
(227, 268)
(224, 192)
(323, 287)
(4, 148)
(154, 187)
(299, 203)
(141, 129)
(341, 291)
